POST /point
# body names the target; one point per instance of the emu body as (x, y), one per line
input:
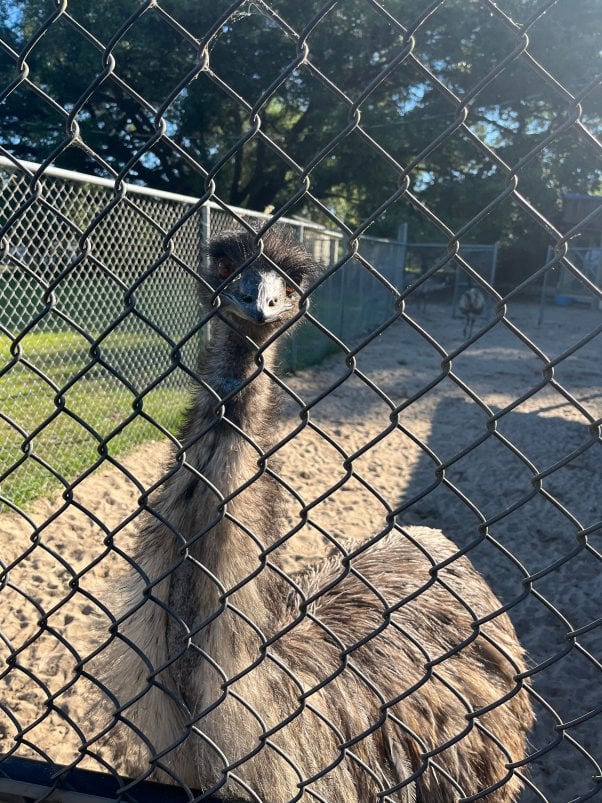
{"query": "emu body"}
(471, 305)
(361, 679)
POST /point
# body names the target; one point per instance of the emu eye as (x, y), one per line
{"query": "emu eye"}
(290, 290)
(225, 267)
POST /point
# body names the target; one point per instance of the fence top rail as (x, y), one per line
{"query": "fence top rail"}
(386, 240)
(87, 178)
(463, 246)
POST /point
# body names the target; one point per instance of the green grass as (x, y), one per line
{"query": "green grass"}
(95, 413)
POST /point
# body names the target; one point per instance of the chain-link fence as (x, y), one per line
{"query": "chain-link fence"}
(88, 293)
(384, 586)
(563, 288)
(450, 282)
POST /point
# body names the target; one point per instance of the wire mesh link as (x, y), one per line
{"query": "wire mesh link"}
(101, 329)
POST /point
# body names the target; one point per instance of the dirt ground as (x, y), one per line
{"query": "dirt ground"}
(50, 613)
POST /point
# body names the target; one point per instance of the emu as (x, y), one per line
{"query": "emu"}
(365, 677)
(472, 304)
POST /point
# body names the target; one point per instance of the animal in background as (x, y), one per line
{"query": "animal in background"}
(471, 306)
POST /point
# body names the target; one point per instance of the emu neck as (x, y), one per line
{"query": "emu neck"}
(231, 367)
(224, 506)
(225, 437)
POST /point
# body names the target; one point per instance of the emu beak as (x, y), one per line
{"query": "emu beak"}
(258, 296)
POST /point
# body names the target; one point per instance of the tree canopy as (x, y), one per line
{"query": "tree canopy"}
(254, 109)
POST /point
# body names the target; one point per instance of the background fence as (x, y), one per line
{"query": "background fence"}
(563, 288)
(66, 304)
(494, 439)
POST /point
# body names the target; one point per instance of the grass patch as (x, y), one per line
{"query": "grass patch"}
(42, 439)
(44, 434)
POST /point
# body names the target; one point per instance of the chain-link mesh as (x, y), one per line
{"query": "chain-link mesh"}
(89, 295)
(390, 672)
(562, 288)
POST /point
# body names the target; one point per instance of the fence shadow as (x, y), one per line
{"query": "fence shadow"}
(543, 539)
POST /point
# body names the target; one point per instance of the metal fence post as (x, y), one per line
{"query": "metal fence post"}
(402, 236)
(205, 223)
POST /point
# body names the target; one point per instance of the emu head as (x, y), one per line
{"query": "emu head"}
(257, 283)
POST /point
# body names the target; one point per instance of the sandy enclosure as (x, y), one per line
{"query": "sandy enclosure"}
(51, 608)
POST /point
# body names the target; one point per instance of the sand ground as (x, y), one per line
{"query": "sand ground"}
(51, 606)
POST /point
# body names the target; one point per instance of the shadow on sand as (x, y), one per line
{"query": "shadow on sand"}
(540, 536)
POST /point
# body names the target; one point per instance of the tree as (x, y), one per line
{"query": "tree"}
(210, 120)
